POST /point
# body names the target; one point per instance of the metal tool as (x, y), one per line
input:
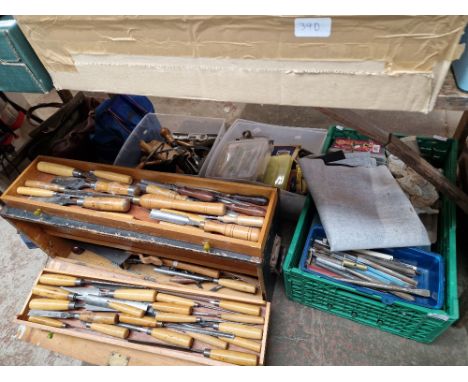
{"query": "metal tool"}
(103, 318)
(163, 334)
(56, 279)
(98, 185)
(62, 191)
(226, 283)
(62, 170)
(230, 356)
(229, 230)
(90, 202)
(417, 292)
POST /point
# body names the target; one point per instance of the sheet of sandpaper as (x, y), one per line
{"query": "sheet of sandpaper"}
(362, 208)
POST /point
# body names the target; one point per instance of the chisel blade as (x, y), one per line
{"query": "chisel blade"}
(50, 313)
(70, 182)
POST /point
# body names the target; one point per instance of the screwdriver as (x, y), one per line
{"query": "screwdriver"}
(62, 170)
(229, 356)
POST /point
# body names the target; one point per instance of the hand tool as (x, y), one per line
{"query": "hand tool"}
(195, 329)
(63, 190)
(210, 340)
(65, 280)
(110, 330)
(208, 195)
(162, 334)
(227, 306)
(239, 330)
(47, 321)
(230, 217)
(176, 264)
(417, 292)
(233, 317)
(93, 203)
(229, 356)
(245, 343)
(378, 255)
(150, 188)
(356, 275)
(98, 185)
(102, 318)
(62, 170)
(118, 305)
(132, 294)
(391, 272)
(227, 283)
(53, 293)
(230, 230)
(155, 201)
(53, 304)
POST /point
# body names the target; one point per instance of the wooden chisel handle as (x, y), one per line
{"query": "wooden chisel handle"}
(47, 321)
(51, 292)
(39, 192)
(110, 330)
(174, 317)
(106, 204)
(153, 201)
(240, 307)
(145, 321)
(245, 343)
(127, 309)
(55, 169)
(237, 285)
(50, 304)
(245, 220)
(192, 268)
(204, 196)
(164, 192)
(244, 331)
(210, 340)
(163, 297)
(244, 318)
(231, 356)
(116, 188)
(112, 176)
(253, 211)
(232, 230)
(59, 280)
(172, 337)
(147, 295)
(44, 185)
(100, 318)
(171, 308)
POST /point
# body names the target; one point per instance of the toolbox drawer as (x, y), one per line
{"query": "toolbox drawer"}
(97, 348)
(56, 229)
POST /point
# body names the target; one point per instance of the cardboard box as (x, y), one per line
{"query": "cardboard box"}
(363, 62)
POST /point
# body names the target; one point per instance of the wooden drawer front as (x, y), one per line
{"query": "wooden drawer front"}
(97, 348)
(141, 223)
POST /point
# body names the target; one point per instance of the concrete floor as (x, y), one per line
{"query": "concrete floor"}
(298, 335)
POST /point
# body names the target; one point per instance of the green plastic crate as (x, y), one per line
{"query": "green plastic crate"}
(400, 318)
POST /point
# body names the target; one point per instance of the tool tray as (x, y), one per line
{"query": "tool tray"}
(101, 349)
(55, 228)
(430, 267)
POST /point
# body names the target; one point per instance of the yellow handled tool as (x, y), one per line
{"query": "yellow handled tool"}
(148, 295)
(245, 343)
(62, 170)
(244, 331)
(110, 330)
(154, 201)
(164, 335)
(47, 321)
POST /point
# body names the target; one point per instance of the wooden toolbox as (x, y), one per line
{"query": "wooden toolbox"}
(96, 348)
(55, 228)
(58, 230)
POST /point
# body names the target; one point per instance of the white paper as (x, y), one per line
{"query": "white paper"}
(316, 27)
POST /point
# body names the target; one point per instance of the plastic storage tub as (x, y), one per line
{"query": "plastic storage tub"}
(401, 318)
(311, 139)
(430, 265)
(150, 126)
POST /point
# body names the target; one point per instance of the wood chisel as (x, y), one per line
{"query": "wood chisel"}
(99, 186)
(57, 279)
(229, 230)
(62, 170)
(103, 318)
(226, 283)
(99, 203)
(162, 334)
(229, 356)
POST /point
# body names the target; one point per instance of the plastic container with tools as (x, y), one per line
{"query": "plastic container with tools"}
(401, 318)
